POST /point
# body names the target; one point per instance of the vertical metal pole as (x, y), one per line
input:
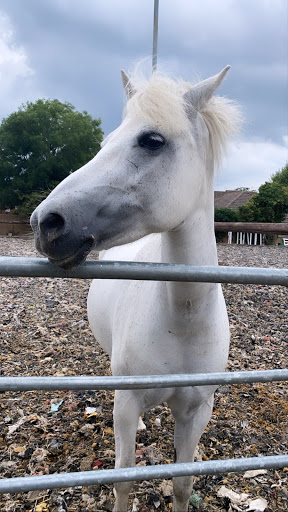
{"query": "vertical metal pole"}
(155, 35)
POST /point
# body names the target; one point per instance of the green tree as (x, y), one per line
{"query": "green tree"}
(281, 177)
(271, 202)
(41, 144)
(225, 215)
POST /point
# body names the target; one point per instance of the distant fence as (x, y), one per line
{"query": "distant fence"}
(250, 231)
(13, 225)
(268, 228)
(17, 226)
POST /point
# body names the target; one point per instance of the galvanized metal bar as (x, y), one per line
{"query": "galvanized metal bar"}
(107, 476)
(155, 35)
(41, 267)
(140, 381)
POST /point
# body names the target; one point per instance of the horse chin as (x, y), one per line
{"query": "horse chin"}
(77, 258)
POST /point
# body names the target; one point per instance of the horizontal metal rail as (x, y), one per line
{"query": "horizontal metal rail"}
(91, 269)
(106, 476)
(140, 381)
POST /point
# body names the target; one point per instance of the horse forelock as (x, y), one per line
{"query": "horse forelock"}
(160, 102)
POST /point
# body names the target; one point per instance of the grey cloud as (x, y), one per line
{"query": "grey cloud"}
(77, 51)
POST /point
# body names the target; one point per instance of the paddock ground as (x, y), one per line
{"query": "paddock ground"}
(44, 331)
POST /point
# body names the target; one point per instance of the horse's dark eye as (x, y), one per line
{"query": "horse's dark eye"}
(151, 141)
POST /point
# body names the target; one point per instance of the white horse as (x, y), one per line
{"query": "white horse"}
(151, 188)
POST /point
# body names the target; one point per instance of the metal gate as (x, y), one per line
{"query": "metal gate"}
(40, 267)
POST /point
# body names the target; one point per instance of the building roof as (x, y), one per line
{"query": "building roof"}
(232, 198)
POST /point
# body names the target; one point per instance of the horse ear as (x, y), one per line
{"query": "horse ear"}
(201, 93)
(128, 86)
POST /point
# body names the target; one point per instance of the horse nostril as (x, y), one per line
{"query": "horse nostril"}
(52, 225)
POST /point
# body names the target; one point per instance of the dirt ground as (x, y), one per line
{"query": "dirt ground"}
(44, 331)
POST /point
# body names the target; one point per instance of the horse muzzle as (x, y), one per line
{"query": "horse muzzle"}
(65, 246)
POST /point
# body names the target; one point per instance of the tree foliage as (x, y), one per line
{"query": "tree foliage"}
(41, 144)
(271, 202)
(281, 177)
(225, 215)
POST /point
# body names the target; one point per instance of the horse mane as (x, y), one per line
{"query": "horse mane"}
(223, 119)
(160, 101)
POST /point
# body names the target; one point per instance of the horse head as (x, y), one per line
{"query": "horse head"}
(148, 175)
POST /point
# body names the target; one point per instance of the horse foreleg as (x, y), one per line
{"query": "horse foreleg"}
(126, 417)
(188, 430)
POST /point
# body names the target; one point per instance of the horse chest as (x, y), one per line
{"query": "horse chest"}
(147, 337)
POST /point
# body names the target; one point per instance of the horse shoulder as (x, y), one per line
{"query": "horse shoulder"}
(108, 297)
(145, 249)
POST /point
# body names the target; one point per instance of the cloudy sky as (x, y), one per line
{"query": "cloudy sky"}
(73, 51)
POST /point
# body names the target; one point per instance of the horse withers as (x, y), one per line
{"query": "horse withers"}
(148, 196)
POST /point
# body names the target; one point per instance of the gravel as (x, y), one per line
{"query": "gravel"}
(44, 331)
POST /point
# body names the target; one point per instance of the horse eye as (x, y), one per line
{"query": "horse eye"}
(151, 141)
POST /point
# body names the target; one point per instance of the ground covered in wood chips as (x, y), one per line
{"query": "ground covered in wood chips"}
(44, 331)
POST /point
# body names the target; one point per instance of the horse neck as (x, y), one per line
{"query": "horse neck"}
(192, 243)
